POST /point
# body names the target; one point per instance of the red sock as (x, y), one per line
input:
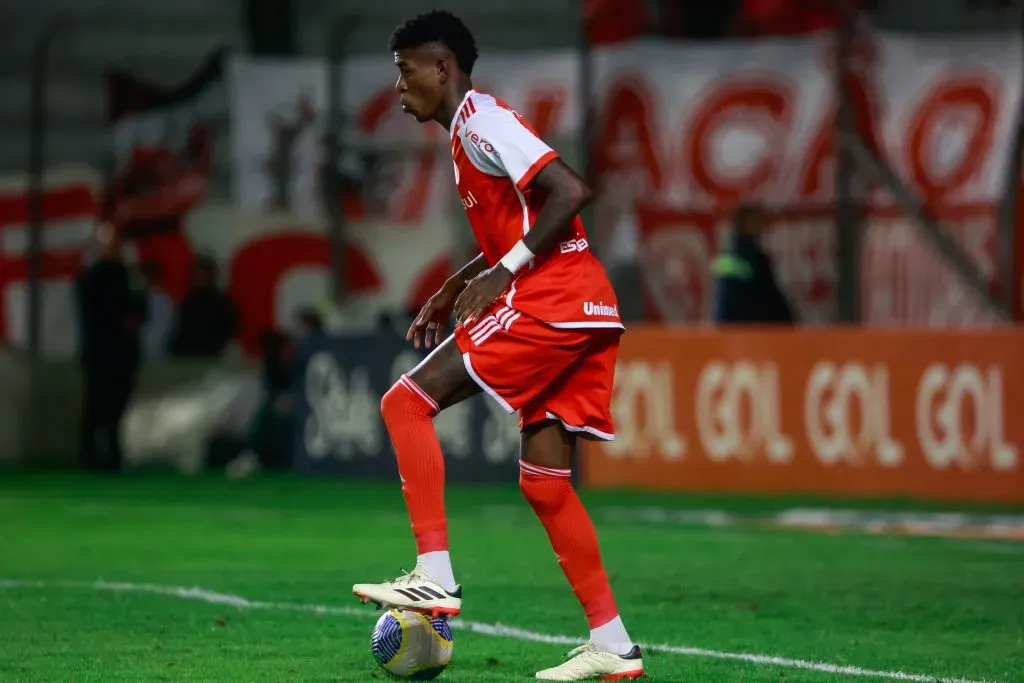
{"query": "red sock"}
(572, 535)
(409, 412)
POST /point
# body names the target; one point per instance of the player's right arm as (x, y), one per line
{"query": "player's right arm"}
(428, 327)
(500, 141)
(470, 270)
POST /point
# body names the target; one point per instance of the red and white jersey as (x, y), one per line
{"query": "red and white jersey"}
(496, 154)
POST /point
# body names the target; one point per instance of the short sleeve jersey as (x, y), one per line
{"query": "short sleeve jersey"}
(496, 155)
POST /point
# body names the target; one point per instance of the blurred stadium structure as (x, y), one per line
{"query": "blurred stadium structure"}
(887, 143)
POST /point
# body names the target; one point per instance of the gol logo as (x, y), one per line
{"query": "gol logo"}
(835, 395)
(945, 397)
(723, 391)
(643, 405)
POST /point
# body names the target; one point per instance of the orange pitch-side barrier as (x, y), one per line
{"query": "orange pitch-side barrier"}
(920, 414)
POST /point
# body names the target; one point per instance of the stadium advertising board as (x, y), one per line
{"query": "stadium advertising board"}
(928, 415)
(339, 384)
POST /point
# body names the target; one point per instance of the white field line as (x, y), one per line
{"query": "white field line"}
(961, 526)
(498, 630)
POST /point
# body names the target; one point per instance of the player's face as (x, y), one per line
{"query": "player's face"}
(419, 83)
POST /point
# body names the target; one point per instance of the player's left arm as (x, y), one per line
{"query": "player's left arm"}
(567, 194)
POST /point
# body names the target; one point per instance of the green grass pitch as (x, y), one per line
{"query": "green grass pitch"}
(92, 571)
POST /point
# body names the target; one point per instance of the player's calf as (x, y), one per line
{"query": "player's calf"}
(574, 540)
(408, 413)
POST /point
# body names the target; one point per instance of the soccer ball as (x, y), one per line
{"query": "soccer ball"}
(411, 645)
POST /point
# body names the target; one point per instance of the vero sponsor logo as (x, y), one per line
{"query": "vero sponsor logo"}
(482, 143)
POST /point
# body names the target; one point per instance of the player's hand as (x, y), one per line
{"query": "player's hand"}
(428, 327)
(481, 291)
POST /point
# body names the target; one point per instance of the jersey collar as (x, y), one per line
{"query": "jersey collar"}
(458, 110)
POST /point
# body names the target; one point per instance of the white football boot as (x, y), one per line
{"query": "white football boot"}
(414, 591)
(588, 663)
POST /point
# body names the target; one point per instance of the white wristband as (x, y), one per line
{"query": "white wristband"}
(517, 257)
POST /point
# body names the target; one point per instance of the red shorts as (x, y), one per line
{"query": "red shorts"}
(544, 372)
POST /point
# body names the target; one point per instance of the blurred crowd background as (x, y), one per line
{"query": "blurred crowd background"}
(215, 222)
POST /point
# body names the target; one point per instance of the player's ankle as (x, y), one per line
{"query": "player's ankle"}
(612, 637)
(437, 564)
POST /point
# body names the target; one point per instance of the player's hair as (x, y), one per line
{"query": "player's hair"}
(438, 26)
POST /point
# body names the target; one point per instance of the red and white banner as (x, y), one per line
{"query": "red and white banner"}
(278, 116)
(688, 130)
(683, 130)
(695, 126)
(71, 203)
(273, 262)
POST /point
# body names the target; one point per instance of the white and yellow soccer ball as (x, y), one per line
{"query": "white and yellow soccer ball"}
(411, 645)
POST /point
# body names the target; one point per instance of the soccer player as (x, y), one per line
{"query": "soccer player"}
(537, 329)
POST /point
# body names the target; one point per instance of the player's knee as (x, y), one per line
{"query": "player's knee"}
(545, 493)
(391, 402)
(405, 401)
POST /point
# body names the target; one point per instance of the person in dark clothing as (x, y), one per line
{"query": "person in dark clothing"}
(310, 323)
(269, 441)
(111, 315)
(748, 291)
(271, 428)
(206, 317)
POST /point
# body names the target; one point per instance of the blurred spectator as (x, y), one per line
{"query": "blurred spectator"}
(111, 315)
(697, 20)
(747, 288)
(310, 323)
(786, 17)
(206, 317)
(393, 323)
(614, 21)
(152, 194)
(670, 18)
(269, 441)
(285, 133)
(156, 333)
(342, 177)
